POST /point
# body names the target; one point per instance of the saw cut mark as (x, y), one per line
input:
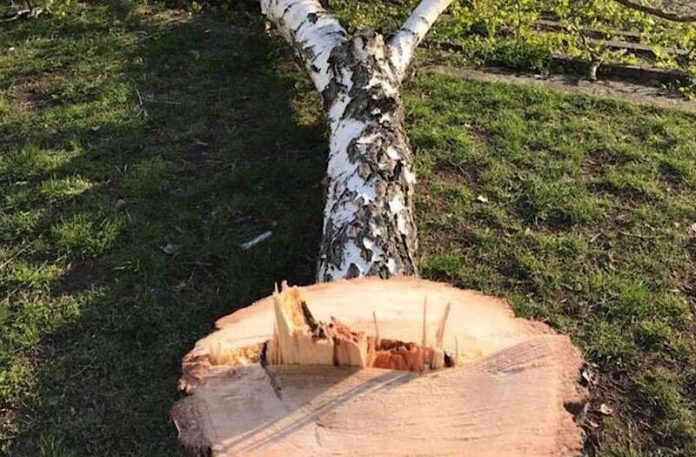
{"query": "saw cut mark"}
(510, 388)
(272, 378)
(390, 312)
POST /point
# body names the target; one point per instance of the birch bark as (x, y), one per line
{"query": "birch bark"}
(369, 228)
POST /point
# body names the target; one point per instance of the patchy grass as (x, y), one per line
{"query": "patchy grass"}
(141, 147)
(139, 150)
(585, 227)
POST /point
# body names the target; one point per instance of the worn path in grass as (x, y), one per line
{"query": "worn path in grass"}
(140, 148)
(641, 94)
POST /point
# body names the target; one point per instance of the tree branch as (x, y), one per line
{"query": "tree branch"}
(311, 30)
(404, 43)
(670, 16)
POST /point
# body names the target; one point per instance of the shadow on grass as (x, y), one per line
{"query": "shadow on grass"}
(220, 147)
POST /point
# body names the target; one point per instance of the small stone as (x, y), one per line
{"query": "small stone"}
(606, 409)
(482, 199)
(691, 231)
(120, 203)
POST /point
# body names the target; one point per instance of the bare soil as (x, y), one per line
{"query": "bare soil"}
(629, 91)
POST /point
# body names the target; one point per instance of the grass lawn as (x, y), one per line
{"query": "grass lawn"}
(139, 148)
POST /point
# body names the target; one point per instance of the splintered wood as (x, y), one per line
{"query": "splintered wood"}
(299, 339)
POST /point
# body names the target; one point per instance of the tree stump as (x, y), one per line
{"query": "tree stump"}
(487, 384)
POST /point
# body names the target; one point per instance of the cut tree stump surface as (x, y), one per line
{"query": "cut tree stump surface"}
(515, 391)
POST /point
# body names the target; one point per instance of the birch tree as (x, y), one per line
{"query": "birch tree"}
(314, 371)
(369, 228)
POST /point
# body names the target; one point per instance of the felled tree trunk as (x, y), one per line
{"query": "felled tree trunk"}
(368, 221)
(368, 366)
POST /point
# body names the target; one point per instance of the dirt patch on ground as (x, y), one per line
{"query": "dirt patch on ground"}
(80, 275)
(28, 91)
(210, 23)
(632, 92)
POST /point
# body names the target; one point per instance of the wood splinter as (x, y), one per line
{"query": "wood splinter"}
(300, 339)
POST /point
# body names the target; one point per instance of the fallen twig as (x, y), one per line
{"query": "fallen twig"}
(251, 243)
(141, 110)
(645, 237)
(23, 14)
(14, 256)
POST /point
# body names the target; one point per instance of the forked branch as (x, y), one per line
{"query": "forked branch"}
(369, 228)
(314, 33)
(413, 31)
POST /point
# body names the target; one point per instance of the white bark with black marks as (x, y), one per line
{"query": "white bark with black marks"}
(369, 227)
(413, 31)
(368, 221)
(312, 31)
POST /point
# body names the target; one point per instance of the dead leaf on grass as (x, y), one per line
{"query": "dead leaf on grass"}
(171, 249)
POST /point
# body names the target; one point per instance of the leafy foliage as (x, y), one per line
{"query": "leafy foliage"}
(510, 32)
(58, 8)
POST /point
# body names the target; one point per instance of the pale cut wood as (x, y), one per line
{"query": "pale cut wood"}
(480, 324)
(293, 342)
(515, 393)
(512, 403)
